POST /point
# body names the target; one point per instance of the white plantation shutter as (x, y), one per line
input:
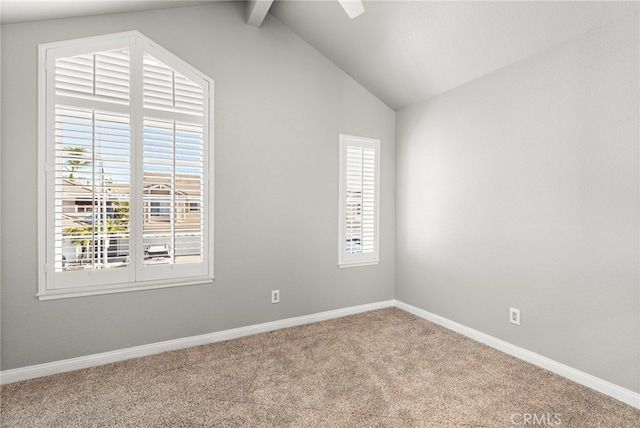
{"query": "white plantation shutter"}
(165, 88)
(92, 189)
(125, 184)
(173, 161)
(173, 182)
(92, 162)
(358, 200)
(102, 75)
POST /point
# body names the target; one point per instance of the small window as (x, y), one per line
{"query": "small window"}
(160, 210)
(359, 201)
(125, 138)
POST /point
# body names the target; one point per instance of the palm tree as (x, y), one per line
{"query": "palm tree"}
(75, 162)
(84, 234)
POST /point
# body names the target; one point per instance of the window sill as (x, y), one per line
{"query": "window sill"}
(119, 288)
(358, 263)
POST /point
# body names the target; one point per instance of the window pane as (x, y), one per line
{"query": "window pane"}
(189, 197)
(173, 191)
(92, 189)
(360, 200)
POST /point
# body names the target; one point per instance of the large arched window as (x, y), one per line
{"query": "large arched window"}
(126, 157)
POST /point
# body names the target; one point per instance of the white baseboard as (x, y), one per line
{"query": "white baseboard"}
(625, 395)
(56, 367)
(31, 372)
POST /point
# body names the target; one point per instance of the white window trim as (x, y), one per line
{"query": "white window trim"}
(344, 260)
(45, 164)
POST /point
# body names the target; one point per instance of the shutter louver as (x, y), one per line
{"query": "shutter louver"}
(166, 89)
(368, 199)
(360, 200)
(103, 75)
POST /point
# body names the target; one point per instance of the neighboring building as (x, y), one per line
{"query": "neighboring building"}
(84, 206)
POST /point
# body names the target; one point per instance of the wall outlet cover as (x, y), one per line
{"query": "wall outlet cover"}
(514, 316)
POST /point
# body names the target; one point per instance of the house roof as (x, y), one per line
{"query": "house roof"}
(185, 185)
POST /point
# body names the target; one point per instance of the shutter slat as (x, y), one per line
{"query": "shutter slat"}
(167, 89)
(103, 74)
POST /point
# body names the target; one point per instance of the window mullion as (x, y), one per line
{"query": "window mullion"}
(136, 185)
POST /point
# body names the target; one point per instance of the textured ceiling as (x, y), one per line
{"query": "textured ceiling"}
(13, 11)
(405, 52)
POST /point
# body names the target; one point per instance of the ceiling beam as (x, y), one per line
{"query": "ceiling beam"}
(256, 11)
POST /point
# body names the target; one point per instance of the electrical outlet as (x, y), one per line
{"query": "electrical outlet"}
(275, 296)
(514, 316)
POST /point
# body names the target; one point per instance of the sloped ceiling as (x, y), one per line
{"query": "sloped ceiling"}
(405, 52)
(14, 11)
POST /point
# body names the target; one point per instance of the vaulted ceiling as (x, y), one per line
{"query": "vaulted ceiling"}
(408, 51)
(404, 52)
(14, 11)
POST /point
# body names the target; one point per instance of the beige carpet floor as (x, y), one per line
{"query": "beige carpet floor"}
(385, 368)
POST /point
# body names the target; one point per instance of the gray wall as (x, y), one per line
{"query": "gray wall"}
(280, 107)
(521, 189)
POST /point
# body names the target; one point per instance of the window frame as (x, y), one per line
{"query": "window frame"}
(362, 259)
(172, 275)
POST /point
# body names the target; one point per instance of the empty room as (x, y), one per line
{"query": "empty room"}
(319, 213)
